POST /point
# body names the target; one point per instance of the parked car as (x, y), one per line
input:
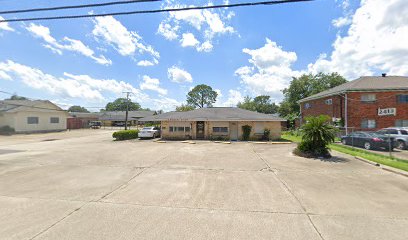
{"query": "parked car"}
(368, 140)
(118, 124)
(95, 124)
(149, 132)
(399, 134)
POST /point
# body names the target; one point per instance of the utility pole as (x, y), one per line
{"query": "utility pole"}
(127, 108)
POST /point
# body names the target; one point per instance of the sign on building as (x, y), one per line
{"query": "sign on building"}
(387, 111)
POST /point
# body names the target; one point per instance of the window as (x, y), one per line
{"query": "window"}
(368, 123)
(179, 129)
(187, 129)
(54, 120)
(328, 101)
(171, 129)
(308, 105)
(368, 98)
(220, 129)
(401, 123)
(392, 131)
(404, 132)
(32, 120)
(403, 98)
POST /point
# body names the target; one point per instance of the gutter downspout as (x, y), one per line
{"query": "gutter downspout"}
(345, 113)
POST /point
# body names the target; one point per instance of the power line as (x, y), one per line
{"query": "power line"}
(247, 4)
(76, 6)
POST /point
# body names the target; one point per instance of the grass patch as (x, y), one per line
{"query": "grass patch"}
(375, 157)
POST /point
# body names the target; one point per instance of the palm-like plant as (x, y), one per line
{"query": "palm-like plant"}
(317, 134)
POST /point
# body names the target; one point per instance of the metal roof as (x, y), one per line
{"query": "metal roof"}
(214, 114)
(366, 83)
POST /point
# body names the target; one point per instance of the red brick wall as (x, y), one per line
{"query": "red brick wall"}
(357, 110)
(319, 107)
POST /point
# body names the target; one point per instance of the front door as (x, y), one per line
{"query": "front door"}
(234, 131)
(200, 130)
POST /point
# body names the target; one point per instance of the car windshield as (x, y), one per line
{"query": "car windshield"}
(147, 128)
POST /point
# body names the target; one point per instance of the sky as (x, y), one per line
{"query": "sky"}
(239, 52)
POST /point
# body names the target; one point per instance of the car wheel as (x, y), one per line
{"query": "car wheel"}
(367, 145)
(154, 135)
(344, 142)
(401, 145)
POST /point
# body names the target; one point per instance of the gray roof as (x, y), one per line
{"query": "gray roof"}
(365, 84)
(85, 115)
(121, 115)
(214, 114)
(16, 105)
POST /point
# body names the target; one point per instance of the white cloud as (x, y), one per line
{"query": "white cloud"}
(234, 97)
(5, 76)
(5, 26)
(178, 75)
(66, 44)
(376, 41)
(341, 21)
(206, 23)
(126, 42)
(188, 40)
(165, 103)
(270, 70)
(145, 63)
(69, 86)
(152, 84)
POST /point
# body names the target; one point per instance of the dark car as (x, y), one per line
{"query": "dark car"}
(368, 140)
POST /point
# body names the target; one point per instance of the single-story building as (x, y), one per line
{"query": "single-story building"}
(26, 116)
(112, 118)
(216, 122)
(367, 103)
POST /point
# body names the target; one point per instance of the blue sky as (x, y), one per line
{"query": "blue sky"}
(159, 57)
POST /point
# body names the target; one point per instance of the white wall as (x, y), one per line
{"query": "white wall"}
(44, 124)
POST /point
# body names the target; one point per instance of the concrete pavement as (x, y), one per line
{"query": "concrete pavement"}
(82, 185)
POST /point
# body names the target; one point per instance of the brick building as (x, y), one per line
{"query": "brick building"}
(367, 103)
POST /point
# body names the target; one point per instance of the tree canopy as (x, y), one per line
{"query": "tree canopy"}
(201, 96)
(184, 108)
(262, 104)
(305, 86)
(77, 108)
(120, 105)
(16, 97)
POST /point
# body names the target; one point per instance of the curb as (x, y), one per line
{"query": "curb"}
(383, 167)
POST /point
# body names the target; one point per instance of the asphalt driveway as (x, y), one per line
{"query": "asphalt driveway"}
(82, 185)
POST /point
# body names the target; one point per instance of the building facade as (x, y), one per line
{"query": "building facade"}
(216, 123)
(367, 103)
(25, 116)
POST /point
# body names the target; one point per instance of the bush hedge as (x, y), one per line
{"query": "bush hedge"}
(6, 130)
(246, 132)
(125, 135)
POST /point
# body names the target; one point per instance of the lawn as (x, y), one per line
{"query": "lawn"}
(378, 158)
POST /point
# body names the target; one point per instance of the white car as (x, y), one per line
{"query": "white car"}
(149, 132)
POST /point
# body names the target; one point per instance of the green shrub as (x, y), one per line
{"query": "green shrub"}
(125, 135)
(6, 130)
(246, 132)
(317, 134)
(267, 134)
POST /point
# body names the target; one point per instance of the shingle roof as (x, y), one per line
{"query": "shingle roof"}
(120, 115)
(214, 114)
(365, 84)
(16, 105)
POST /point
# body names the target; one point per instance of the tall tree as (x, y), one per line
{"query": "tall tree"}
(305, 86)
(16, 97)
(201, 96)
(77, 108)
(184, 108)
(262, 104)
(120, 105)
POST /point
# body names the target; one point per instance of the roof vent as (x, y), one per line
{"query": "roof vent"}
(384, 75)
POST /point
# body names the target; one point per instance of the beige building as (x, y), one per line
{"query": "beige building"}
(216, 123)
(26, 116)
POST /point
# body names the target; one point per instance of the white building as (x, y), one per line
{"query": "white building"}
(26, 116)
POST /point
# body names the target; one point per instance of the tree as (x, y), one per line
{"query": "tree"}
(305, 86)
(77, 108)
(260, 104)
(317, 134)
(120, 105)
(201, 96)
(16, 97)
(184, 108)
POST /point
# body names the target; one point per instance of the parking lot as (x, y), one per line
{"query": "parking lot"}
(83, 185)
